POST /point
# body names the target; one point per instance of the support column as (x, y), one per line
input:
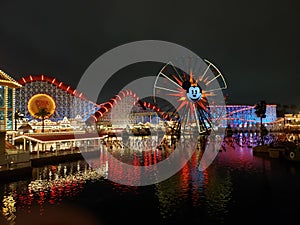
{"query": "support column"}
(56, 148)
(85, 145)
(30, 146)
(72, 146)
(24, 144)
(38, 150)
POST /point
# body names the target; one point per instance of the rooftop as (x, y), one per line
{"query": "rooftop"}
(6, 80)
(58, 137)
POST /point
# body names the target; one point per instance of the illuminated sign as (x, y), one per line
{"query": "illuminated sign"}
(39, 102)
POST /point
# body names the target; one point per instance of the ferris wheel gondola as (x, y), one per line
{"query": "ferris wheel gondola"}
(189, 92)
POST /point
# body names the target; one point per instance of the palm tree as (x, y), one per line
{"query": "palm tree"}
(18, 116)
(43, 113)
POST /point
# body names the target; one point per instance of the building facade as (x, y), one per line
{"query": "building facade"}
(8, 88)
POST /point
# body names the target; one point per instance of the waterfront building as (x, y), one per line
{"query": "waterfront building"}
(9, 155)
(7, 101)
(54, 142)
(292, 120)
(243, 116)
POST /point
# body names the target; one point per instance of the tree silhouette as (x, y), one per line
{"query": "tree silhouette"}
(43, 113)
(18, 116)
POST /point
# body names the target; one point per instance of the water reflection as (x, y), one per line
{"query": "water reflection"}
(190, 195)
(208, 189)
(9, 208)
(49, 185)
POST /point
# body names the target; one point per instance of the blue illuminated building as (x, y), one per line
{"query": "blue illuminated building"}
(244, 115)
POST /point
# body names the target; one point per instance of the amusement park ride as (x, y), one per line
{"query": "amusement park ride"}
(192, 96)
(188, 102)
(187, 99)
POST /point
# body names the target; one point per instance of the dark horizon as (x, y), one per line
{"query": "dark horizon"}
(253, 43)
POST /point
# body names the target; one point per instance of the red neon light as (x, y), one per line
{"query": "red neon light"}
(106, 109)
(24, 79)
(30, 77)
(53, 81)
(100, 113)
(111, 105)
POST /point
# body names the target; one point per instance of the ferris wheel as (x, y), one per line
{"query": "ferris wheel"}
(189, 92)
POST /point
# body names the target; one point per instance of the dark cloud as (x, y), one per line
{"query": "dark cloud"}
(254, 43)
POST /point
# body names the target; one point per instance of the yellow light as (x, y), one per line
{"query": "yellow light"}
(40, 101)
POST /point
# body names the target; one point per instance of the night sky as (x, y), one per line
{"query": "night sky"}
(254, 43)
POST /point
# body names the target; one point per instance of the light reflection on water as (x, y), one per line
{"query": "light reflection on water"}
(210, 196)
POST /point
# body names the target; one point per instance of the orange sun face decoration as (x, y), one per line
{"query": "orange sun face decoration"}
(40, 101)
(189, 94)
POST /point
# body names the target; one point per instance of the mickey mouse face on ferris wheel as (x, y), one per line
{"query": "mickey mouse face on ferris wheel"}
(194, 93)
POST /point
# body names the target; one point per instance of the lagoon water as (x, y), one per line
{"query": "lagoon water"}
(238, 187)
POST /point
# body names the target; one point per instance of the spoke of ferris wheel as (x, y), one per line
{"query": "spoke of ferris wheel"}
(219, 74)
(217, 89)
(174, 68)
(208, 82)
(204, 73)
(166, 89)
(165, 76)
